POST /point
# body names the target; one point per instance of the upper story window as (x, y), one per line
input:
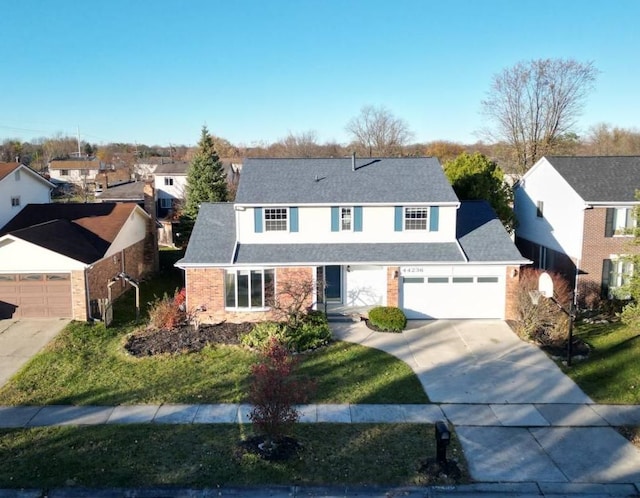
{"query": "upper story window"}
(168, 181)
(415, 218)
(346, 217)
(15, 201)
(166, 203)
(64, 172)
(275, 219)
(540, 209)
(619, 221)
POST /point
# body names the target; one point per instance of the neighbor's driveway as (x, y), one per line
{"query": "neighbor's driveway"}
(472, 361)
(21, 339)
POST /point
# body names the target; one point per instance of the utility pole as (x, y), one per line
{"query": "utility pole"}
(79, 153)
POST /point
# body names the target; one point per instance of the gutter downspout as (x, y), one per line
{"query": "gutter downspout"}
(86, 290)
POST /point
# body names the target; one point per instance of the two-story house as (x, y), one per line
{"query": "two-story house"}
(574, 217)
(19, 186)
(366, 232)
(170, 183)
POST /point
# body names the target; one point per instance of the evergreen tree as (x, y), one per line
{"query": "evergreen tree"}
(206, 179)
(476, 177)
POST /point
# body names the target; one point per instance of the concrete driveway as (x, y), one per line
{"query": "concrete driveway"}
(473, 361)
(21, 339)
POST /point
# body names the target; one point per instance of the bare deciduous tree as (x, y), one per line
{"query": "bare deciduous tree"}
(535, 104)
(378, 132)
(605, 140)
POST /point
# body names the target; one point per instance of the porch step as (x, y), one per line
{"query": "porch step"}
(340, 318)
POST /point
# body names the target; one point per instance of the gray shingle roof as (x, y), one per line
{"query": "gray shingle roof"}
(249, 254)
(132, 191)
(330, 180)
(482, 236)
(214, 235)
(600, 178)
(177, 168)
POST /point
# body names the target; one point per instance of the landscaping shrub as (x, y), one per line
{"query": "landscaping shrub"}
(311, 332)
(262, 333)
(388, 318)
(274, 392)
(545, 322)
(167, 313)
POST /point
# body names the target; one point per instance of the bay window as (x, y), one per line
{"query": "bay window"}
(249, 289)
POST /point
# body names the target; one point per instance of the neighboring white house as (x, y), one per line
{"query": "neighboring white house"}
(80, 172)
(575, 216)
(170, 183)
(19, 186)
(375, 231)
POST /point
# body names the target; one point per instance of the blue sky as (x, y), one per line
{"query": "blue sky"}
(155, 71)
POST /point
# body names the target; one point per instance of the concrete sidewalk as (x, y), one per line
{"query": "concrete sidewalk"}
(526, 416)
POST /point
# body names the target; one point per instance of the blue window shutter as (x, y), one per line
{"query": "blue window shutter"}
(335, 219)
(434, 213)
(398, 219)
(357, 219)
(293, 222)
(257, 219)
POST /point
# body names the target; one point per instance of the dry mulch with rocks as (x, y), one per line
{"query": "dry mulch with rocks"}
(185, 339)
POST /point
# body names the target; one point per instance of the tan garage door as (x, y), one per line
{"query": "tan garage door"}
(35, 295)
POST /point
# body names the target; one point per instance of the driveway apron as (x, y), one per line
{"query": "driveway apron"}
(518, 416)
(21, 339)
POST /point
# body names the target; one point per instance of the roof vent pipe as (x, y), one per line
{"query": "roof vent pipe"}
(353, 161)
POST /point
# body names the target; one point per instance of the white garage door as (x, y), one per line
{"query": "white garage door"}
(453, 297)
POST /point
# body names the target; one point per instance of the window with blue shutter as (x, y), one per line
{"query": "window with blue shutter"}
(357, 219)
(434, 214)
(293, 221)
(397, 219)
(335, 219)
(257, 219)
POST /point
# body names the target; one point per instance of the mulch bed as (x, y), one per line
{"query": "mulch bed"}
(375, 328)
(579, 349)
(185, 339)
(440, 473)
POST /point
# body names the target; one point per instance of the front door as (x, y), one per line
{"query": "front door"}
(333, 283)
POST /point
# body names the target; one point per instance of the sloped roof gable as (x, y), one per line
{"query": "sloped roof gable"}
(331, 180)
(602, 179)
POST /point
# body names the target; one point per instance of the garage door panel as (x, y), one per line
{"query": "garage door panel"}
(439, 297)
(35, 295)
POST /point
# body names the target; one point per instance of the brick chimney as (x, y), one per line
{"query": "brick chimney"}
(151, 261)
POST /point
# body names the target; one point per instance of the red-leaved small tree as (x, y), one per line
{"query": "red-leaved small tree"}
(274, 393)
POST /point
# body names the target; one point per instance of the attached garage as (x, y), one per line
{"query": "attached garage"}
(460, 293)
(35, 295)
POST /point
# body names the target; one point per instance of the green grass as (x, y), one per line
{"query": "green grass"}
(207, 456)
(611, 374)
(87, 364)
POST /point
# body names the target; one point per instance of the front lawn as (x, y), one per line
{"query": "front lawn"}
(208, 456)
(87, 364)
(611, 373)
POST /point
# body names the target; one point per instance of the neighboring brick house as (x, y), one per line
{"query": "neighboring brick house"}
(56, 260)
(363, 232)
(19, 186)
(574, 216)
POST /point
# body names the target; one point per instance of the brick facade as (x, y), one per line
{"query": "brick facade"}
(78, 296)
(596, 248)
(393, 285)
(512, 281)
(205, 294)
